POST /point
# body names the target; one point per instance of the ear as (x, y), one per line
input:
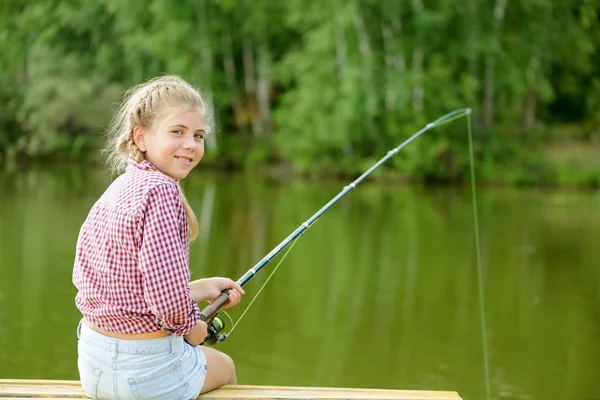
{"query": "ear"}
(139, 138)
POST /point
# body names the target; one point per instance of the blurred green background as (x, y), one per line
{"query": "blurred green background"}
(325, 87)
(382, 291)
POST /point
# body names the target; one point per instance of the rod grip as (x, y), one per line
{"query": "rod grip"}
(213, 308)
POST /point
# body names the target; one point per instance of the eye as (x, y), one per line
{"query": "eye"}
(199, 136)
(177, 132)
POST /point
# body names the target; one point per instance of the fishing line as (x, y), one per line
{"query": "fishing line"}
(263, 286)
(228, 316)
(291, 239)
(479, 263)
(210, 312)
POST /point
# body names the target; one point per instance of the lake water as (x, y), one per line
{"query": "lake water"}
(381, 292)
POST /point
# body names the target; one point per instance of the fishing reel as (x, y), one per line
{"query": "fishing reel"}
(215, 326)
(210, 315)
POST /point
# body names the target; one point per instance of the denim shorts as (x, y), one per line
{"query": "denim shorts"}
(165, 368)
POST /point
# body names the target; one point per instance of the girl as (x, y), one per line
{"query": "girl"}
(140, 333)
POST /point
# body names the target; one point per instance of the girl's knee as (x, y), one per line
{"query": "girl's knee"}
(228, 360)
(221, 369)
(231, 367)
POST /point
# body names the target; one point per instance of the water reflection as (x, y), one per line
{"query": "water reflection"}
(381, 292)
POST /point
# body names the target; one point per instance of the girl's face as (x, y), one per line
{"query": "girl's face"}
(175, 145)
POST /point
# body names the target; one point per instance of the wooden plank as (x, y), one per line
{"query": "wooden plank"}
(65, 390)
(31, 389)
(230, 392)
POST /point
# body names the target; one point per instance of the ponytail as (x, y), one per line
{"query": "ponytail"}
(189, 214)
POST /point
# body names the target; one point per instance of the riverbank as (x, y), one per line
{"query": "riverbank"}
(561, 163)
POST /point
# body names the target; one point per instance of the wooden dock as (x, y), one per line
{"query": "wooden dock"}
(35, 389)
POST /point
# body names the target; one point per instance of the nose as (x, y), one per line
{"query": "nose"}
(190, 143)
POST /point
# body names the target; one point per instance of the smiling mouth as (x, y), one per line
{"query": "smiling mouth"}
(187, 160)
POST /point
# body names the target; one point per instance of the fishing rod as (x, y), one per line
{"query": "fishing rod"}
(210, 313)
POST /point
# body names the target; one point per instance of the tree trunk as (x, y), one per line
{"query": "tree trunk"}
(531, 99)
(490, 66)
(399, 60)
(394, 60)
(531, 94)
(263, 92)
(417, 62)
(388, 55)
(367, 72)
(341, 51)
(207, 65)
(473, 69)
(250, 86)
(230, 78)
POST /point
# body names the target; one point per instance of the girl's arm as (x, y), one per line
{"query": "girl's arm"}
(162, 261)
(197, 335)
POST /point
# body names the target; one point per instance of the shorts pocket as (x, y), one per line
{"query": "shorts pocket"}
(160, 383)
(90, 378)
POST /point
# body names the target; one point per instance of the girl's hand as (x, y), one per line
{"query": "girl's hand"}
(210, 288)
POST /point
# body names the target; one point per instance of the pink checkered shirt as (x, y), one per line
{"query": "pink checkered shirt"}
(131, 262)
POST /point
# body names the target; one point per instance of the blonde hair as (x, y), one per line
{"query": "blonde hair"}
(144, 105)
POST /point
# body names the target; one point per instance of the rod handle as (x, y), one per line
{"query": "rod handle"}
(213, 308)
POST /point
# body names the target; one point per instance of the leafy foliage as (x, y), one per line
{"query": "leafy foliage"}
(328, 83)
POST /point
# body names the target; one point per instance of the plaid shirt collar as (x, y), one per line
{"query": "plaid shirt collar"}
(145, 165)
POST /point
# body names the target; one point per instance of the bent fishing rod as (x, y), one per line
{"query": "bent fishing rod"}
(210, 313)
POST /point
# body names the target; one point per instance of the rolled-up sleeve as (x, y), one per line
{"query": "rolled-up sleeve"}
(163, 261)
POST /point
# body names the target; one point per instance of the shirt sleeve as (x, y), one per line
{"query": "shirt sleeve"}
(163, 262)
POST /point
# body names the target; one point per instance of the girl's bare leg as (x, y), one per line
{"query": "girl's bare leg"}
(220, 369)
